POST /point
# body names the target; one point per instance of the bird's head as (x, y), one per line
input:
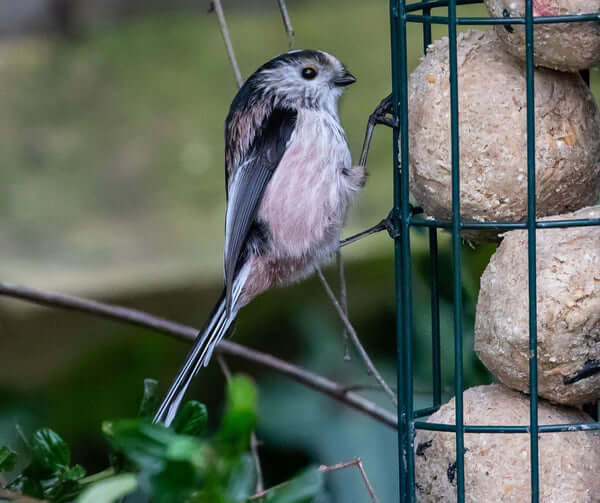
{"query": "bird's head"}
(302, 79)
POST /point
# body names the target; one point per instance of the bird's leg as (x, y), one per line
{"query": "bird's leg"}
(384, 225)
(379, 116)
(381, 112)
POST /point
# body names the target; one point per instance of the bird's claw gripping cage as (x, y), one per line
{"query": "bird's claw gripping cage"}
(403, 219)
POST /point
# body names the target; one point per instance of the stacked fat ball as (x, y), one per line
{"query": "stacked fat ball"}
(568, 311)
(560, 46)
(493, 135)
(497, 467)
(492, 90)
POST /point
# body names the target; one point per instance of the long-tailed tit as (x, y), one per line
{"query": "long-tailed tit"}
(289, 179)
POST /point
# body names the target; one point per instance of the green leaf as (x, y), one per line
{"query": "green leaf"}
(149, 399)
(60, 490)
(22, 436)
(240, 417)
(301, 489)
(242, 481)
(143, 443)
(191, 419)
(74, 473)
(242, 395)
(109, 490)
(50, 450)
(185, 470)
(8, 459)
(188, 449)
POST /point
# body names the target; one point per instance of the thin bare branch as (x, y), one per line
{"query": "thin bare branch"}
(355, 340)
(224, 367)
(366, 387)
(227, 39)
(287, 23)
(358, 463)
(254, 444)
(324, 468)
(260, 494)
(343, 300)
(120, 314)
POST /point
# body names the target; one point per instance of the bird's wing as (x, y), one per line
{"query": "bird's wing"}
(247, 182)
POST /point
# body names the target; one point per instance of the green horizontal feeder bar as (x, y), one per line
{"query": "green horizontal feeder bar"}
(486, 21)
(546, 428)
(411, 7)
(426, 412)
(505, 226)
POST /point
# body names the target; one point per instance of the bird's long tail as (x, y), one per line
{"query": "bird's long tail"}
(204, 345)
(206, 340)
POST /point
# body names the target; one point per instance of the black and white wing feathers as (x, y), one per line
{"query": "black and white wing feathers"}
(247, 181)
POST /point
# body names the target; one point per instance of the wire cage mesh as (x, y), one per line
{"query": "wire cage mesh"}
(405, 219)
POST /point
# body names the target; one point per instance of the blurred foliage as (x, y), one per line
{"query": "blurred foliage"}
(167, 465)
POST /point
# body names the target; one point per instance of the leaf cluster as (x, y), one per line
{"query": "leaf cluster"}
(150, 462)
(49, 474)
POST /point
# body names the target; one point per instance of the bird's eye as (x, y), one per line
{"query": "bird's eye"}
(309, 72)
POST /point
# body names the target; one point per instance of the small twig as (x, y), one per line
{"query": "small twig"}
(355, 340)
(121, 314)
(224, 367)
(287, 23)
(260, 494)
(366, 387)
(254, 444)
(96, 477)
(358, 463)
(343, 300)
(227, 39)
(324, 468)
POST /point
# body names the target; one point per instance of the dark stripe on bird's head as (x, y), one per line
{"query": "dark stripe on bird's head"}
(294, 57)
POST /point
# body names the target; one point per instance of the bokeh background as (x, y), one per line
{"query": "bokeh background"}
(111, 155)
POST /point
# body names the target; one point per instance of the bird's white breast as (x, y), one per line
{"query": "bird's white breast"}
(307, 198)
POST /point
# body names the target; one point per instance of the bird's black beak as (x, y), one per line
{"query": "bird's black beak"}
(345, 79)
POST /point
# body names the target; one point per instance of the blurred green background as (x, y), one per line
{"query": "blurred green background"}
(111, 147)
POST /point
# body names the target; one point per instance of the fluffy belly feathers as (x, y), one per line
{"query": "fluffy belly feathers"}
(305, 203)
(307, 199)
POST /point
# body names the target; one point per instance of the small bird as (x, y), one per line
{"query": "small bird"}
(289, 180)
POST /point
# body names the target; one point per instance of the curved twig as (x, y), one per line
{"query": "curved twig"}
(121, 314)
(287, 23)
(216, 4)
(356, 341)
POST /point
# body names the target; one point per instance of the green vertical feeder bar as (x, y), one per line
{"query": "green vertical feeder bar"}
(531, 254)
(403, 219)
(456, 257)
